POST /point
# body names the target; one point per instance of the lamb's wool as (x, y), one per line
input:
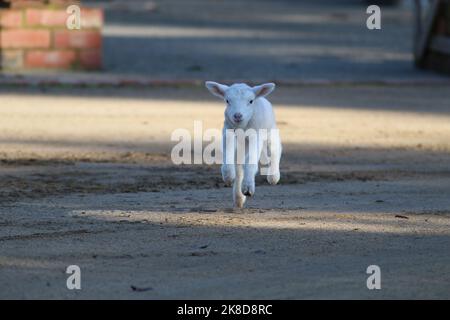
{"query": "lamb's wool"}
(249, 119)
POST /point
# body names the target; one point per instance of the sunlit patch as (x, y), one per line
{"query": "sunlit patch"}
(271, 219)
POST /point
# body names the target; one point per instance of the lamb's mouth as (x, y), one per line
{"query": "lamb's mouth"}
(235, 125)
(230, 121)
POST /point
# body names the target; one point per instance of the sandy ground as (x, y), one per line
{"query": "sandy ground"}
(86, 179)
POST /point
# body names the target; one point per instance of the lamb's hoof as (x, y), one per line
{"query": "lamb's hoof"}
(273, 178)
(248, 188)
(239, 202)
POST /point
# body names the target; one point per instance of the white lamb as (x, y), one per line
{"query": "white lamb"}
(249, 113)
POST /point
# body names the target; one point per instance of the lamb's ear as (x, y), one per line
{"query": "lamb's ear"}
(216, 89)
(263, 90)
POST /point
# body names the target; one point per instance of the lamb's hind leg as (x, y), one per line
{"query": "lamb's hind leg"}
(228, 152)
(251, 164)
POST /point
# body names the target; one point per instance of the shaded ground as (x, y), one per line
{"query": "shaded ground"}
(259, 40)
(86, 179)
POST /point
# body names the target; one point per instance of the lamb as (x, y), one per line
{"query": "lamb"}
(249, 133)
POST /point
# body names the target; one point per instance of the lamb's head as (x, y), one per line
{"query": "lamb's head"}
(240, 100)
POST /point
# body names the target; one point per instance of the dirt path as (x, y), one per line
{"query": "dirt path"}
(86, 179)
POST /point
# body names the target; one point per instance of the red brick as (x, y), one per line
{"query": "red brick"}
(26, 4)
(10, 18)
(50, 59)
(91, 18)
(24, 39)
(78, 39)
(90, 59)
(46, 17)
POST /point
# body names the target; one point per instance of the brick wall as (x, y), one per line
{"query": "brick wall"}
(33, 35)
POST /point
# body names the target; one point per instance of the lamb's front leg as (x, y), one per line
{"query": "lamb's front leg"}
(238, 196)
(228, 152)
(275, 147)
(251, 164)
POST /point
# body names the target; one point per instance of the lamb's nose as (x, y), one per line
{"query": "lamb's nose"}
(237, 117)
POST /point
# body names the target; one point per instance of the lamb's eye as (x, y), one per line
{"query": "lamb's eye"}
(228, 101)
(251, 101)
